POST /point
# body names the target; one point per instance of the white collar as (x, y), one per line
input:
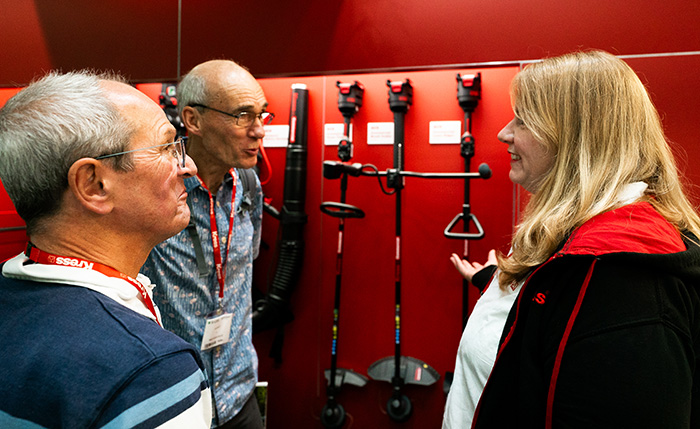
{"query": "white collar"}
(631, 192)
(118, 289)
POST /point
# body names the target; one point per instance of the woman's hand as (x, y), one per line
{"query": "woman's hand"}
(467, 269)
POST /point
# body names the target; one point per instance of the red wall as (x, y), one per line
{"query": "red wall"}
(12, 233)
(318, 36)
(315, 39)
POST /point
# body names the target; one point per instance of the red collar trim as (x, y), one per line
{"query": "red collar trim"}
(636, 227)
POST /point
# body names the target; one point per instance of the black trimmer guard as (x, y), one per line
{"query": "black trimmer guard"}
(412, 371)
(346, 376)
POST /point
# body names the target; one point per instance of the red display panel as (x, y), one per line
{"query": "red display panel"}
(12, 230)
(431, 287)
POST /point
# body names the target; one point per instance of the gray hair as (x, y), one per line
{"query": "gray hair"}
(49, 125)
(192, 89)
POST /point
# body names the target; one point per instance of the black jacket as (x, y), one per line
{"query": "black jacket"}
(604, 334)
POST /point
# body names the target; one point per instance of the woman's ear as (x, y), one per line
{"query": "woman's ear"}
(192, 120)
(90, 182)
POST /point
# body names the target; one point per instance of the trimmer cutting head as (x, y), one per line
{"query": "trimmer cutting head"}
(412, 371)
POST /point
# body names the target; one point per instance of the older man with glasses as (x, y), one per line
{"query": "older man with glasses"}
(92, 167)
(209, 266)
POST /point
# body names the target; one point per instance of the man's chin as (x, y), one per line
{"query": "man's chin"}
(248, 162)
(183, 219)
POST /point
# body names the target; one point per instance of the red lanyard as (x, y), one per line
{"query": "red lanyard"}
(218, 261)
(39, 256)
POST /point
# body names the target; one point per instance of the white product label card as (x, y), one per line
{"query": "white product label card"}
(380, 133)
(332, 133)
(445, 132)
(276, 136)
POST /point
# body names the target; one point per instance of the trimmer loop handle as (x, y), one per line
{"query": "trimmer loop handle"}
(342, 210)
(465, 235)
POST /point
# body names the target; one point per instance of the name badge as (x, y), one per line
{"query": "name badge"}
(217, 331)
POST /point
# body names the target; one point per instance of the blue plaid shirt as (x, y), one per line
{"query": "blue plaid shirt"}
(185, 299)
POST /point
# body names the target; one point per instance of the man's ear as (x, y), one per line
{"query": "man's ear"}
(90, 182)
(192, 120)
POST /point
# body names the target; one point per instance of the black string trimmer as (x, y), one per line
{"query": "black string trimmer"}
(397, 369)
(468, 96)
(349, 102)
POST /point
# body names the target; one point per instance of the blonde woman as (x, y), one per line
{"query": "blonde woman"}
(593, 320)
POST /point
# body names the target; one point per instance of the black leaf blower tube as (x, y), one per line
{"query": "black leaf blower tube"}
(274, 310)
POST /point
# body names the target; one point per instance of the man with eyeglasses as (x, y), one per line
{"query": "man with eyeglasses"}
(209, 266)
(92, 167)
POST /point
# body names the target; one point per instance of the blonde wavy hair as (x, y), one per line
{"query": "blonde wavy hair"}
(591, 111)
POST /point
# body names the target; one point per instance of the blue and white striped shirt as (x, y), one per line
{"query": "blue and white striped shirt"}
(77, 353)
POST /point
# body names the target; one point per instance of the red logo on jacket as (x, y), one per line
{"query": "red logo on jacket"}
(540, 298)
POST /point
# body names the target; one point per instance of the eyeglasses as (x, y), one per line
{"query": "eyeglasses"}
(176, 150)
(243, 119)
